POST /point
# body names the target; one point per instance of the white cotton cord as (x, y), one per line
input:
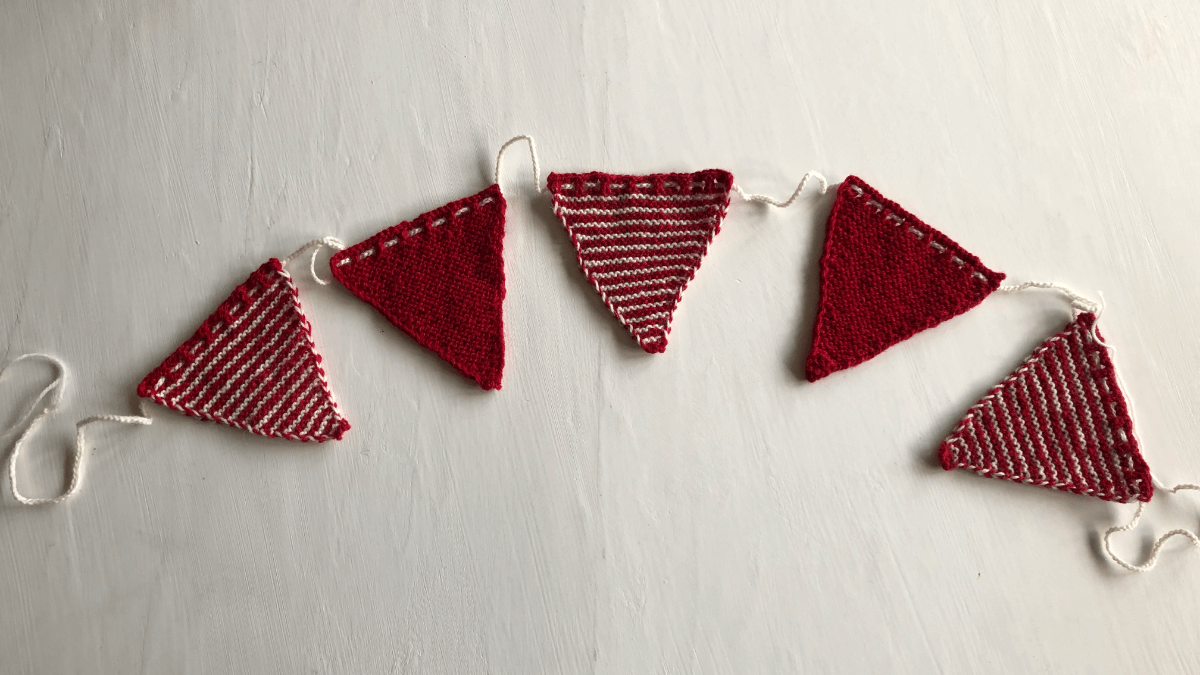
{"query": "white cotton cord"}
(1152, 560)
(788, 202)
(537, 180)
(56, 387)
(1096, 334)
(55, 390)
(77, 462)
(316, 245)
(1079, 302)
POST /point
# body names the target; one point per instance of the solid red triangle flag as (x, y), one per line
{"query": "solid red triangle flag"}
(252, 365)
(440, 278)
(640, 239)
(1059, 421)
(885, 276)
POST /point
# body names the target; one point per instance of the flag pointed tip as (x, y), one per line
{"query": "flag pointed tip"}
(946, 456)
(340, 427)
(817, 366)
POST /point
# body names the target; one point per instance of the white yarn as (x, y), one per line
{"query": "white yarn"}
(331, 242)
(55, 389)
(537, 181)
(1077, 301)
(788, 202)
(1152, 560)
(57, 386)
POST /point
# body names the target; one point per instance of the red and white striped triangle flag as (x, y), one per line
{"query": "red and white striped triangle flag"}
(1059, 421)
(640, 239)
(252, 365)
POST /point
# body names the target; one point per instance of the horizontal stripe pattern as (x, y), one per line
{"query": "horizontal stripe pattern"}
(640, 239)
(253, 365)
(1059, 421)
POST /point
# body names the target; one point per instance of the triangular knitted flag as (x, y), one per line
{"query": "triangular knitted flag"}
(440, 278)
(252, 365)
(1059, 421)
(885, 276)
(640, 239)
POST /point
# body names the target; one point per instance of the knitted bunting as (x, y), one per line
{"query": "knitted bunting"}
(252, 365)
(440, 278)
(1059, 421)
(640, 239)
(885, 276)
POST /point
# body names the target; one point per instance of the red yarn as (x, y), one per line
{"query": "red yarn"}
(885, 276)
(252, 365)
(440, 278)
(1059, 421)
(640, 239)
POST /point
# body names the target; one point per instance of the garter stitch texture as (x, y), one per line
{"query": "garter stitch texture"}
(440, 278)
(885, 276)
(252, 365)
(1058, 421)
(640, 239)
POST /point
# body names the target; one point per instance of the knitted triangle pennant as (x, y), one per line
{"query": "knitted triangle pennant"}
(640, 239)
(252, 365)
(1059, 421)
(885, 276)
(440, 278)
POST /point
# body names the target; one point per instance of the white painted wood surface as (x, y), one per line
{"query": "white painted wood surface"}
(701, 511)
